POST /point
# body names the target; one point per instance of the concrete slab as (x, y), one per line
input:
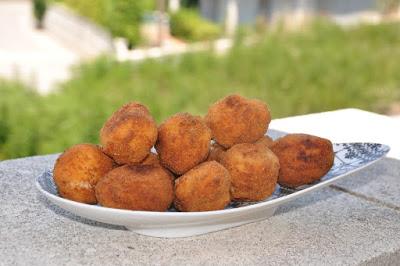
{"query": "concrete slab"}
(324, 228)
(380, 183)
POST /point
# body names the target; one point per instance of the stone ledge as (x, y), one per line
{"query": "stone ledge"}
(381, 183)
(324, 227)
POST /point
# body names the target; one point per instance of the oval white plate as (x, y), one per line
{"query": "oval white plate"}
(349, 157)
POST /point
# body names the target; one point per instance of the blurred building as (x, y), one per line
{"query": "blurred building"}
(291, 12)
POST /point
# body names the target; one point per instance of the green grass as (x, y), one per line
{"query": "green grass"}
(320, 69)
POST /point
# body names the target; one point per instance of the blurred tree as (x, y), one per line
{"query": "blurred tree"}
(39, 11)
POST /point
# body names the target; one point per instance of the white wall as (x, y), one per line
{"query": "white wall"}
(248, 10)
(341, 7)
(215, 10)
(290, 9)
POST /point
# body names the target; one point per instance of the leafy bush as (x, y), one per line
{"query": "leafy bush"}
(187, 24)
(126, 17)
(121, 17)
(322, 69)
(19, 113)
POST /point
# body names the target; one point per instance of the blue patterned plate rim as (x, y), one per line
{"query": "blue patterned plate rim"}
(349, 158)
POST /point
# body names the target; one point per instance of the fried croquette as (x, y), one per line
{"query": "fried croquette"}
(151, 159)
(303, 158)
(77, 171)
(183, 142)
(136, 187)
(128, 135)
(253, 170)
(235, 119)
(216, 152)
(264, 142)
(204, 188)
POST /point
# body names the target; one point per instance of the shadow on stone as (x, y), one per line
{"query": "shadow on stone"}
(355, 180)
(307, 200)
(74, 217)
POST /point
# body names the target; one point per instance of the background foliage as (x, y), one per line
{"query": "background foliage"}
(121, 17)
(320, 69)
(189, 25)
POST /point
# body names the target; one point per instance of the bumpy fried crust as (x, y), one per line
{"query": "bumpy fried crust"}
(128, 135)
(264, 142)
(235, 119)
(77, 171)
(303, 158)
(204, 188)
(151, 159)
(183, 142)
(216, 152)
(253, 170)
(136, 187)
